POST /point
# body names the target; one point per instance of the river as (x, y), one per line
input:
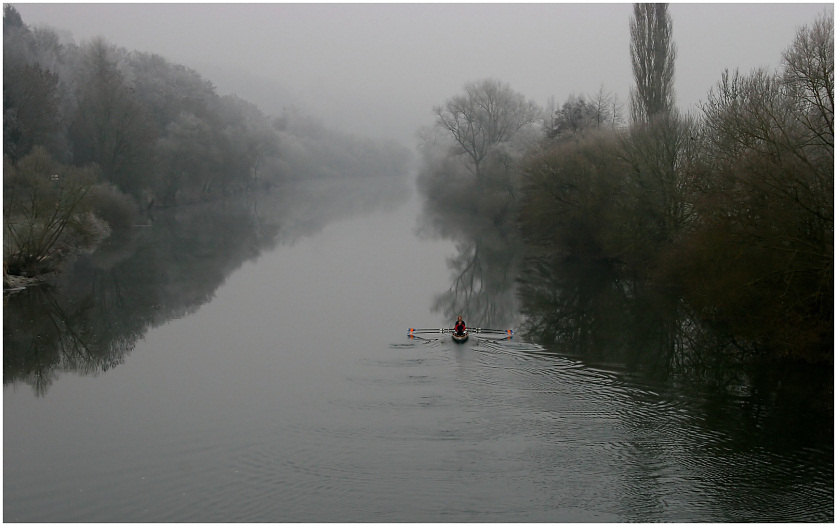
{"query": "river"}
(251, 363)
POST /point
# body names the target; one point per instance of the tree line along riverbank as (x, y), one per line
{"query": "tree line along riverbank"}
(729, 210)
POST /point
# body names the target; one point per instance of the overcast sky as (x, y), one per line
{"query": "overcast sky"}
(378, 69)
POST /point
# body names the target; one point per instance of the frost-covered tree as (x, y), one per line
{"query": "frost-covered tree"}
(110, 127)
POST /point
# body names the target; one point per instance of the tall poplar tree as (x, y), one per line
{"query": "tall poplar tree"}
(652, 58)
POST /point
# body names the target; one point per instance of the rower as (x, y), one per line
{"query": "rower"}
(459, 328)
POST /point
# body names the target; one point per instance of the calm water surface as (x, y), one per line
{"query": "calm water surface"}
(287, 390)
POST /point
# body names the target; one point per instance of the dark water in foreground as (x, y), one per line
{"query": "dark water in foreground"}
(207, 371)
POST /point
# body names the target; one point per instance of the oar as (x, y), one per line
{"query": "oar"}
(492, 331)
(438, 331)
(474, 330)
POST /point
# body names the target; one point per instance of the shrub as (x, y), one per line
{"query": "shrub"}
(45, 212)
(118, 210)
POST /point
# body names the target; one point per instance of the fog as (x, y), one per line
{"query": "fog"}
(236, 350)
(377, 69)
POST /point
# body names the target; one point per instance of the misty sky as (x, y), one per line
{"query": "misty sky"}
(377, 69)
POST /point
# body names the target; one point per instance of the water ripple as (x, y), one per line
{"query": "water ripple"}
(417, 425)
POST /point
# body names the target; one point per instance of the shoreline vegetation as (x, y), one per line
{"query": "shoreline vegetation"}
(97, 137)
(729, 211)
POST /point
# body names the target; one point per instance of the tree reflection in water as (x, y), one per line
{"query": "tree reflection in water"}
(587, 310)
(646, 336)
(484, 269)
(101, 304)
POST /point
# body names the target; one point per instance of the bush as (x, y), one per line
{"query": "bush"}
(46, 213)
(571, 197)
(118, 210)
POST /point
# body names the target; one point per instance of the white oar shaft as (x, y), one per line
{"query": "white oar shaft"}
(496, 331)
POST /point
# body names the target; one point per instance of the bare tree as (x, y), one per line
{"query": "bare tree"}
(652, 58)
(766, 210)
(608, 109)
(489, 113)
(658, 180)
(809, 73)
(580, 114)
